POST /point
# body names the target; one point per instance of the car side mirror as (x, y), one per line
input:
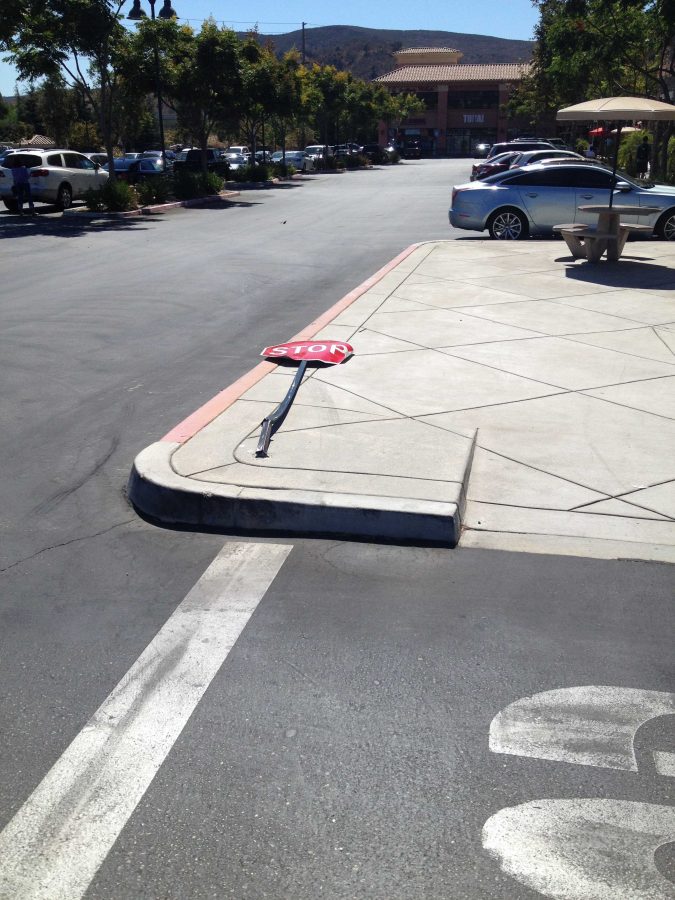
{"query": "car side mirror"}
(622, 186)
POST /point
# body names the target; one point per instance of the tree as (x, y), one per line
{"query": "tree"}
(56, 104)
(201, 74)
(595, 48)
(78, 40)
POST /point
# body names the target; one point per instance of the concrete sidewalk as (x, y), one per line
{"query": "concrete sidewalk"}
(503, 394)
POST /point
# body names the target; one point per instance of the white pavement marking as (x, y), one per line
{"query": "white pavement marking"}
(55, 843)
(664, 763)
(583, 849)
(592, 725)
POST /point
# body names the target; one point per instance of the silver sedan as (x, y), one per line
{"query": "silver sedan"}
(519, 202)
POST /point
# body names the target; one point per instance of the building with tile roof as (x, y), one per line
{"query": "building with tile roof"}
(465, 104)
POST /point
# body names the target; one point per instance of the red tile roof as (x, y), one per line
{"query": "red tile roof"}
(414, 50)
(457, 72)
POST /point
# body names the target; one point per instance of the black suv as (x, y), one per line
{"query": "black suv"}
(191, 160)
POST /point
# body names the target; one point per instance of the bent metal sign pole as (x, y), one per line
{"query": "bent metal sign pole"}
(327, 353)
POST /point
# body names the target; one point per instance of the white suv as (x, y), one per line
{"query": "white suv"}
(56, 176)
(241, 150)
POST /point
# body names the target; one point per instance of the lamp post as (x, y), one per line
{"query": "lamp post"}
(166, 12)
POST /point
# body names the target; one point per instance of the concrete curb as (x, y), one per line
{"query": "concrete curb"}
(158, 491)
(151, 210)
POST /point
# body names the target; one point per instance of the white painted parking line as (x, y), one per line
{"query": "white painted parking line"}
(592, 725)
(586, 849)
(55, 843)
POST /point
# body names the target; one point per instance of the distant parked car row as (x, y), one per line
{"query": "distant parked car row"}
(515, 159)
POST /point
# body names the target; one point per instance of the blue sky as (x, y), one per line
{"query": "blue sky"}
(500, 18)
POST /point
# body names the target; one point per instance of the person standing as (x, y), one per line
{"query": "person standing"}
(22, 191)
(644, 152)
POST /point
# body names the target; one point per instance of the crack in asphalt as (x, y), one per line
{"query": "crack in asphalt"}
(86, 537)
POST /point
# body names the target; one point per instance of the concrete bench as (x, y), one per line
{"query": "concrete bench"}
(586, 242)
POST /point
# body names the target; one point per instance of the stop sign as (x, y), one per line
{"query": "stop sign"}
(331, 352)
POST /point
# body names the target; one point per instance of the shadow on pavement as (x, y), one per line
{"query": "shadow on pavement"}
(70, 226)
(628, 272)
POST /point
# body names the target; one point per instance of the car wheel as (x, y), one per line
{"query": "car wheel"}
(12, 205)
(665, 227)
(64, 198)
(507, 225)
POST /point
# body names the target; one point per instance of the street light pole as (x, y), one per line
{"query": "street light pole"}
(166, 12)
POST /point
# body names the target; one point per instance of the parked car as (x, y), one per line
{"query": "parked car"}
(319, 152)
(492, 166)
(157, 154)
(533, 156)
(558, 143)
(191, 159)
(519, 202)
(97, 157)
(519, 145)
(412, 150)
(375, 153)
(299, 160)
(480, 151)
(235, 160)
(135, 170)
(263, 156)
(56, 176)
(242, 150)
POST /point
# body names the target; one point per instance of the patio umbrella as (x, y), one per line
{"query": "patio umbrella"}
(618, 110)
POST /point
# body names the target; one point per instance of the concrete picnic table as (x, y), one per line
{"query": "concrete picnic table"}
(590, 242)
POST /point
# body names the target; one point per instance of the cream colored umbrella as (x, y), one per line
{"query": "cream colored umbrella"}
(618, 110)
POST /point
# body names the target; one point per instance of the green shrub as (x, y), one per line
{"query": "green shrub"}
(212, 183)
(153, 190)
(282, 170)
(355, 162)
(93, 199)
(252, 172)
(581, 146)
(628, 151)
(114, 196)
(191, 185)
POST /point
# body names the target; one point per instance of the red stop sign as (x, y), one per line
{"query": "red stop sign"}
(331, 352)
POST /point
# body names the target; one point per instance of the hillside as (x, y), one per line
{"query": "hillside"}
(367, 52)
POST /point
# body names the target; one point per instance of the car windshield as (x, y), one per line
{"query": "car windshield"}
(501, 158)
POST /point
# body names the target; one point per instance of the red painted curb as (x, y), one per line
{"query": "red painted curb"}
(201, 417)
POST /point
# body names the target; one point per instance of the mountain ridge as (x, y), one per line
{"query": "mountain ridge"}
(368, 52)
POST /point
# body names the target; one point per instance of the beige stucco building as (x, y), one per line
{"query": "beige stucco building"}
(465, 104)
